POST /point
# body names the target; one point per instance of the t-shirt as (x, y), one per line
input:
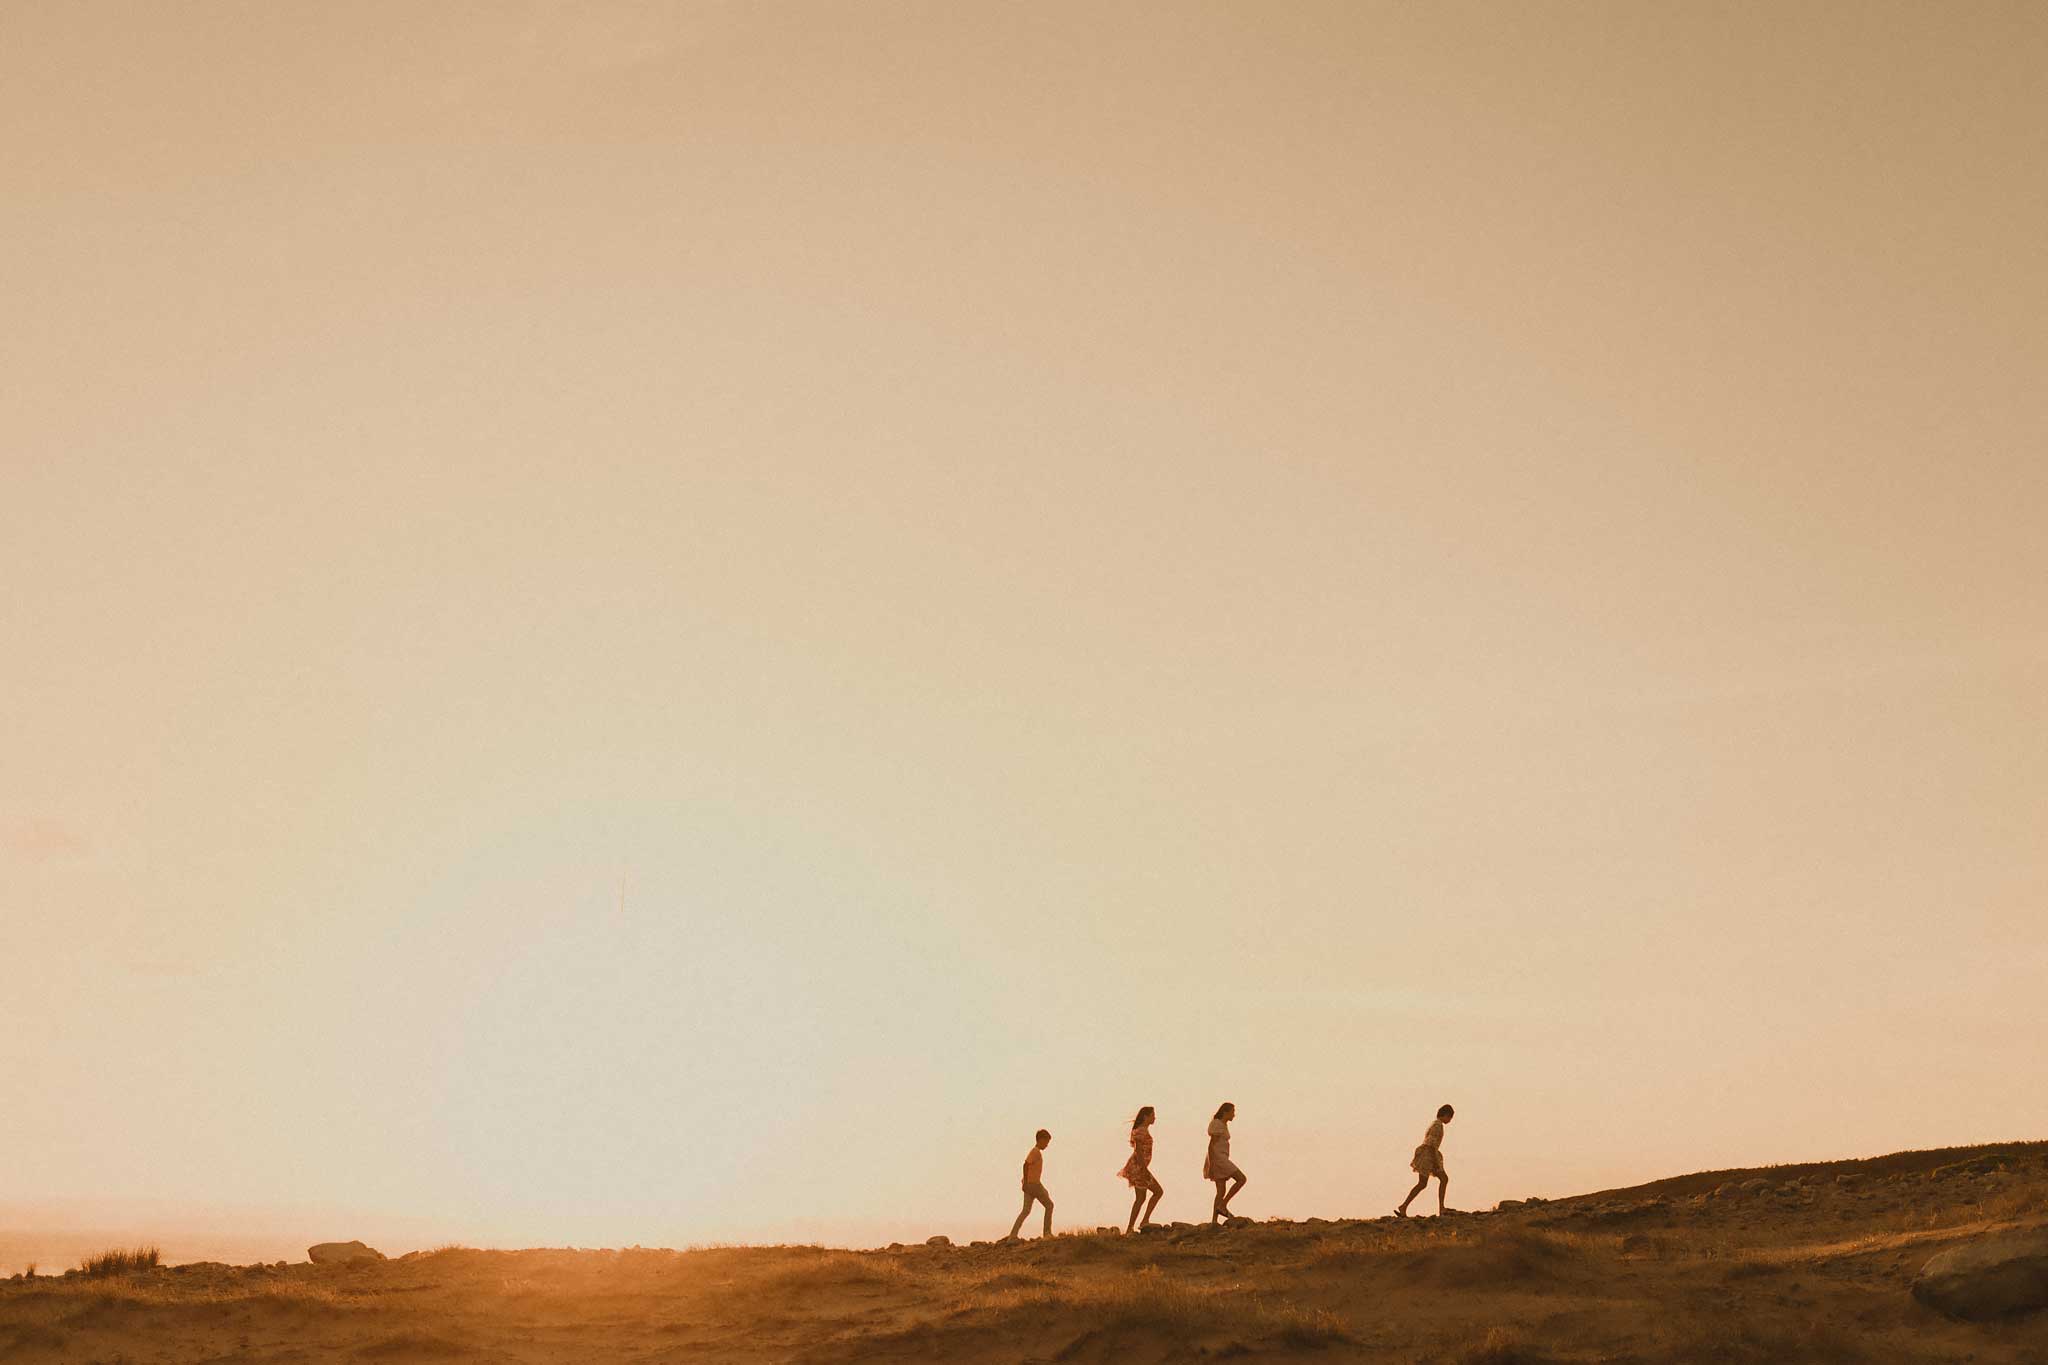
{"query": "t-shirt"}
(1034, 1166)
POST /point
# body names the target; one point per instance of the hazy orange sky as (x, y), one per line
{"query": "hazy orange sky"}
(668, 622)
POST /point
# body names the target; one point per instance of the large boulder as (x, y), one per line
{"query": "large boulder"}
(342, 1253)
(1988, 1278)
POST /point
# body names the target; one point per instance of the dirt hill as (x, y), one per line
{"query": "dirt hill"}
(1786, 1263)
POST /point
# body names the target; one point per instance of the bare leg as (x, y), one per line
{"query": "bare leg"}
(1216, 1207)
(1443, 1184)
(1048, 1216)
(1420, 1181)
(1157, 1191)
(1137, 1203)
(1020, 1218)
(1236, 1183)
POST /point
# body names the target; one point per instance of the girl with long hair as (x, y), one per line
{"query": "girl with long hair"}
(1138, 1171)
(1217, 1165)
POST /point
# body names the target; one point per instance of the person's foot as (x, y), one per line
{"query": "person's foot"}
(1400, 1213)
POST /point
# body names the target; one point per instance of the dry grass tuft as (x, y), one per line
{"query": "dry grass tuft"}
(833, 1270)
(1007, 1281)
(412, 1345)
(1146, 1300)
(119, 1262)
(1752, 1267)
(1503, 1346)
(1307, 1329)
(1355, 1251)
(1745, 1340)
(35, 1337)
(2009, 1205)
(1517, 1257)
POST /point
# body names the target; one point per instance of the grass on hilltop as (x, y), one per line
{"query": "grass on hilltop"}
(120, 1262)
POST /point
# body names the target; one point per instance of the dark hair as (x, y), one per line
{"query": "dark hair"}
(1445, 1111)
(1143, 1114)
(1223, 1106)
(1044, 1136)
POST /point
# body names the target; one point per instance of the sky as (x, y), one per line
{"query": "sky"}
(676, 623)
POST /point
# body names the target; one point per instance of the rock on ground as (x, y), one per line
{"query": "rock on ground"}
(1988, 1278)
(341, 1253)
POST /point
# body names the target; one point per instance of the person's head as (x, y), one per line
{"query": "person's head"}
(1144, 1117)
(1444, 1114)
(1227, 1112)
(1044, 1138)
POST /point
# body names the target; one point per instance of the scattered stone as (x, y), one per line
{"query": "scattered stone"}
(1756, 1185)
(342, 1253)
(981, 1244)
(895, 1246)
(1237, 1221)
(1315, 1222)
(1180, 1227)
(939, 1241)
(1987, 1278)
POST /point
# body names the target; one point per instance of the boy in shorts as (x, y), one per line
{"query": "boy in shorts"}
(1034, 1186)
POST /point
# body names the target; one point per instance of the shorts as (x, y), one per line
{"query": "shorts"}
(1035, 1190)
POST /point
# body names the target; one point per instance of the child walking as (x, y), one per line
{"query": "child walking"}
(1218, 1166)
(1034, 1185)
(1138, 1170)
(1429, 1161)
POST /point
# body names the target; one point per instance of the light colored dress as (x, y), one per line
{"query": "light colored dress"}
(1429, 1157)
(1217, 1165)
(1138, 1170)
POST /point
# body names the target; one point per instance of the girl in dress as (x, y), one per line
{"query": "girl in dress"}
(1429, 1161)
(1138, 1170)
(1218, 1166)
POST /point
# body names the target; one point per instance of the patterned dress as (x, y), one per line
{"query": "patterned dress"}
(1429, 1158)
(1138, 1170)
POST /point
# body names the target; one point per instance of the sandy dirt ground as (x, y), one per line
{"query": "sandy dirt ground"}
(1788, 1263)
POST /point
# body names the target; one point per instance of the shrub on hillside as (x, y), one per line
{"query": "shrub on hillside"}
(119, 1262)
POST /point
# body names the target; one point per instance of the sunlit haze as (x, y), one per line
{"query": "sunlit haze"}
(669, 623)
